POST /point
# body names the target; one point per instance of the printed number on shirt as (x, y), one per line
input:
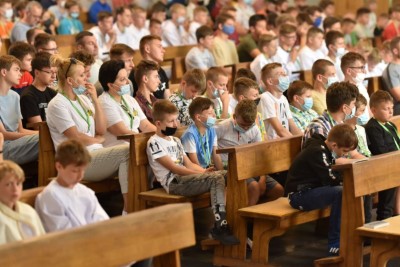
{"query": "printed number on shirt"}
(155, 148)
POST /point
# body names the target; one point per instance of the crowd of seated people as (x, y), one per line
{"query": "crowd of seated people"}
(97, 93)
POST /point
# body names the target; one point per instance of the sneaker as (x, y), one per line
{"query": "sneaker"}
(224, 236)
(250, 243)
(124, 213)
(333, 251)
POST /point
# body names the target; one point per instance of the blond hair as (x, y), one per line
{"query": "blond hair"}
(8, 167)
(66, 67)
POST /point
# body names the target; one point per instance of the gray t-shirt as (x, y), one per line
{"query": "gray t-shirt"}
(196, 59)
(18, 32)
(229, 137)
(391, 79)
(10, 111)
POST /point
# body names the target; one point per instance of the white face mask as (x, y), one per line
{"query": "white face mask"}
(359, 78)
(340, 52)
(9, 13)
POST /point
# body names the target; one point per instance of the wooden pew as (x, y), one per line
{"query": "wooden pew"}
(65, 44)
(47, 168)
(160, 233)
(5, 46)
(270, 219)
(306, 75)
(178, 69)
(374, 84)
(359, 179)
(143, 195)
(29, 196)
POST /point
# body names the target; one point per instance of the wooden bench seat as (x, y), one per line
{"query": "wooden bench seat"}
(272, 219)
(159, 196)
(160, 233)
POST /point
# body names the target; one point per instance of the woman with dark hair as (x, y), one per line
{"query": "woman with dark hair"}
(123, 114)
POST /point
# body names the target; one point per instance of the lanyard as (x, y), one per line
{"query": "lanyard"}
(125, 108)
(206, 151)
(389, 132)
(87, 112)
(218, 111)
(331, 120)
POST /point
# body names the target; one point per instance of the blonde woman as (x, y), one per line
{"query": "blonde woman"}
(75, 113)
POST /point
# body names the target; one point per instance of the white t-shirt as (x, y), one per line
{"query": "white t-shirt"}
(101, 42)
(61, 208)
(258, 63)
(232, 102)
(173, 35)
(94, 71)
(337, 63)
(218, 107)
(228, 136)
(308, 57)
(363, 90)
(124, 37)
(114, 114)
(158, 147)
(63, 114)
(191, 36)
(272, 107)
(283, 57)
(137, 35)
(197, 59)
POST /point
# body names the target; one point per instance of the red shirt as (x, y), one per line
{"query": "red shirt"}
(390, 31)
(24, 82)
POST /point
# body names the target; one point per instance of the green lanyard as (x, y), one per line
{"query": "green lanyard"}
(87, 112)
(206, 151)
(389, 132)
(332, 121)
(125, 108)
(218, 111)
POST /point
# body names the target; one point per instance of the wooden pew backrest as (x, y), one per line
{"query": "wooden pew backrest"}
(115, 242)
(29, 196)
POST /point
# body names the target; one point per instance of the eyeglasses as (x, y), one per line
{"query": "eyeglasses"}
(49, 72)
(71, 61)
(358, 68)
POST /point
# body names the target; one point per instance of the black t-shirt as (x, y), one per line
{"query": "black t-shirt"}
(34, 103)
(164, 83)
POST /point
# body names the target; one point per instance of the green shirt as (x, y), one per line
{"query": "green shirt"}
(246, 45)
(302, 118)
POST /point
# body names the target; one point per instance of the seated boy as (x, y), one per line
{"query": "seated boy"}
(312, 184)
(312, 50)
(301, 103)
(200, 56)
(245, 88)
(384, 138)
(216, 90)
(179, 175)
(66, 203)
(18, 221)
(274, 106)
(35, 98)
(241, 130)
(200, 138)
(25, 53)
(193, 84)
(268, 45)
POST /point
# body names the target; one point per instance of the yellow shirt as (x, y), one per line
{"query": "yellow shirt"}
(224, 52)
(319, 102)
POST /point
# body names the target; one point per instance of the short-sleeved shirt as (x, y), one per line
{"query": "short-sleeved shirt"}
(24, 82)
(146, 106)
(10, 111)
(362, 147)
(302, 117)
(158, 147)
(224, 52)
(258, 63)
(319, 101)
(18, 32)
(164, 83)
(182, 105)
(197, 59)
(246, 45)
(229, 137)
(321, 125)
(272, 107)
(64, 113)
(391, 79)
(194, 142)
(308, 56)
(131, 115)
(69, 26)
(218, 107)
(101, 42)
(34, 103)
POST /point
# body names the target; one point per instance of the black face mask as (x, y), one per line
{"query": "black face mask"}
(257, 101)
(169, 131)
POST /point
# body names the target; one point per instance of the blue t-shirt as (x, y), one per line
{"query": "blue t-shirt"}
(193, 142)
(10, 111)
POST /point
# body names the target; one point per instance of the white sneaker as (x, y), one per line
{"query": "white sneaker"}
(124, 213)
(250, 243)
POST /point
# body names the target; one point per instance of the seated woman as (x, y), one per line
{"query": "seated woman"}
(75, 112)
(18, 221)
(122, 112)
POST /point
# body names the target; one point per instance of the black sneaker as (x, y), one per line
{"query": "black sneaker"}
(224, 236)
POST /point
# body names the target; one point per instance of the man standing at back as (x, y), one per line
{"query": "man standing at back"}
(86, 41)
(31, 18)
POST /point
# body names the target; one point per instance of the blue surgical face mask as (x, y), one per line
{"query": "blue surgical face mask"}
(317, 21)
(284, 83)
(210, 122)
(228, 29)
(363, 119)
(215, 93)
(79, 90)
(238, 128)
(74, 15)
(308, 103)
(334, 155)
(248, 2)
(124, 90)
(351, 115)
(331, 80)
